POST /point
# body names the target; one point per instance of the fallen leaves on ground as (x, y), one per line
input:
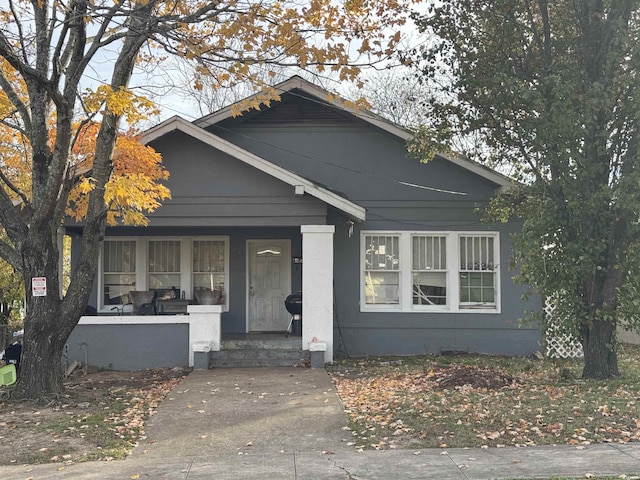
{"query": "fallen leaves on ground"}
(100, 416)
(483, 401)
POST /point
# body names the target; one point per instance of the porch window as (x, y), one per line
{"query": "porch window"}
(164, 267)
(209, 267)
(429, 269)
(119, 271)
(382, 270)
(413, 271)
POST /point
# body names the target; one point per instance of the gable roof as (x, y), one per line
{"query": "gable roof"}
(320, 94)
(302, 185)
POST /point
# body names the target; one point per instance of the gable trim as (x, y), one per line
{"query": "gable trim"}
(179, 124)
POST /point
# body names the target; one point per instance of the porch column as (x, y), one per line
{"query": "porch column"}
(204, 333)
(317, 287)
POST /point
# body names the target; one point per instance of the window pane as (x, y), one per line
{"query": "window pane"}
(477, 280)
(382, 252)
(208, 256)
(164, 256)
(429, 253)
(119, 256)
(477, 288)
(429, 264)
(118, 267)
(164, 281)
(209, 268)
(164, 265)
(476, 253)
(208, 281)
(382, 288)
(430, 288)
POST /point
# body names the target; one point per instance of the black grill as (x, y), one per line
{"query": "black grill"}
(293, 303)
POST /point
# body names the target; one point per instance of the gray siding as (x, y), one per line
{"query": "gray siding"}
(371, 168)
(130, 347)
(414, 333)
(361, 163)
(210, 188)
(213, 194)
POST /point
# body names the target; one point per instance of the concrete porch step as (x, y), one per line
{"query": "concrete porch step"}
(266, 342)
(271, 350)
(259, 358)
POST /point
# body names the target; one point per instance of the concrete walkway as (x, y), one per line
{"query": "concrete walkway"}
(287, 423)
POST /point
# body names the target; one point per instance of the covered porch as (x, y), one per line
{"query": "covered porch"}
(197, 337)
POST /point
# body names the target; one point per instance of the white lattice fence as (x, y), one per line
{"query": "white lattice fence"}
(558, 344)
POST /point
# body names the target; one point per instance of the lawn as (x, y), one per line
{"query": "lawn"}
(100, 416)
(486, 401)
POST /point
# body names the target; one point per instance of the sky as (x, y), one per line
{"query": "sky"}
(166, 83)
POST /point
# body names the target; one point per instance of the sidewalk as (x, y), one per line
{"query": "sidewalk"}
(288, 424)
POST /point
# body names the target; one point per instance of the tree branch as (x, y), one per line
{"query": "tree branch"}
(9, 254)
(16, 101)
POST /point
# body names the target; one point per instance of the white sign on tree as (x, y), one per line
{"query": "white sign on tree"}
(39, 286)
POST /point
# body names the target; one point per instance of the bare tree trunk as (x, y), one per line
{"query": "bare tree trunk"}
(599, 331)
(598, 344)
(49, 319)
(41, 366)
(49, 322)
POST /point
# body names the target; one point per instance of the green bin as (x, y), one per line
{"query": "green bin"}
(8, 374)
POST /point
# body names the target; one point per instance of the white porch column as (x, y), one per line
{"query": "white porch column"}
(204, 331)
(317, 286)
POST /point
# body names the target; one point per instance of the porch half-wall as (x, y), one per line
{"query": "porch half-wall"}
(129, 346)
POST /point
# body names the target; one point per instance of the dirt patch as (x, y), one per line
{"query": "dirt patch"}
(472, 376)
(101, 415)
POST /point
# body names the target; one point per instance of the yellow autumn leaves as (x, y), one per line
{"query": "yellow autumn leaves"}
(122, 102)
(135, 187)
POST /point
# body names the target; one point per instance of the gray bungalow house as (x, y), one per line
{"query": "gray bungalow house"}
(308, 196)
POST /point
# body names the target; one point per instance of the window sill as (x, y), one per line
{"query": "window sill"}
(493, 310)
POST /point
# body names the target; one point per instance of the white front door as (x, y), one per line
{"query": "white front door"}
(269, 283)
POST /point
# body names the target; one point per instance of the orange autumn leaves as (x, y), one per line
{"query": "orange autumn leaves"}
(135, 187)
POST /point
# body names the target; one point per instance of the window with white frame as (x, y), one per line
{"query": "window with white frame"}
(382, 269)
(169, 266)
(429, 269)
(118, 271)
(209, 268)
(164, 265)
(423, 271)
(477, 271)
